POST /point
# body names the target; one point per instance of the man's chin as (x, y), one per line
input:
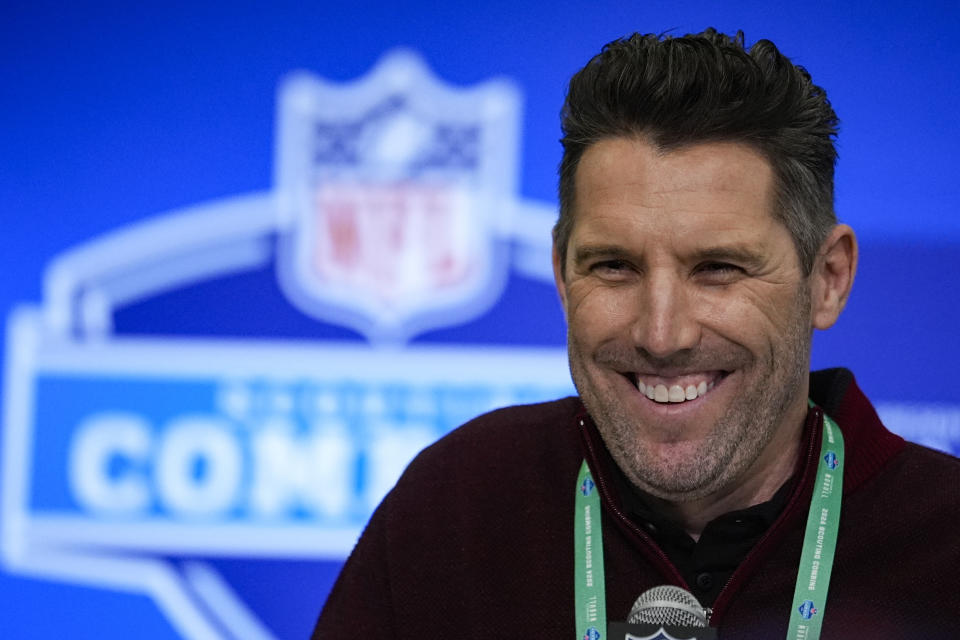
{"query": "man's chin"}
(677, 471)
(676, 484)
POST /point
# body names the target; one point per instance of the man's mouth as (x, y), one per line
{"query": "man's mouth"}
(677, 389)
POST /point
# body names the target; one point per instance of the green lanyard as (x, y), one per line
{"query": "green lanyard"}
(820, 539)
(816, 560)
(588, 558)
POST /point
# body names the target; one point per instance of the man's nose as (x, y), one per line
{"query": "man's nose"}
(665, 317)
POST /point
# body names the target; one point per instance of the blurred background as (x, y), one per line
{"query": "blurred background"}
(257, 255)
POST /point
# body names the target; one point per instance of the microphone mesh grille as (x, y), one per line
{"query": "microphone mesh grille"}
(668, 605)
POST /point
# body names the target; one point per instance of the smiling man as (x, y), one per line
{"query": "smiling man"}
(689, 319)
(696, 251)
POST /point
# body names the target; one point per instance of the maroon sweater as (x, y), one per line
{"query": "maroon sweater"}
(476, 539)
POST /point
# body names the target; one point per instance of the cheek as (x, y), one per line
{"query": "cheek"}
(597, 310)
(753, 315)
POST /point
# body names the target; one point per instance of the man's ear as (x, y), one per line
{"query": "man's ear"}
(832, 276)
(558, 278)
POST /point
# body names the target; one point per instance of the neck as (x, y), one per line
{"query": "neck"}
(762, 480)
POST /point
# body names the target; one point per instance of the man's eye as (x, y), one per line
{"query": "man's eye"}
(719, 266)
(610, 266)
(722, 271)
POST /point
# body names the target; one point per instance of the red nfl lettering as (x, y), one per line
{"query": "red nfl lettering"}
(391, 241)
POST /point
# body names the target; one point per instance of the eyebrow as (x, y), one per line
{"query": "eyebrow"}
(592, 252)
(740, 254)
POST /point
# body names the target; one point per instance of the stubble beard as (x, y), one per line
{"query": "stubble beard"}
(738, 437)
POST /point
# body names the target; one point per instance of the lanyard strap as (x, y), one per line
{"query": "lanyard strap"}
(820, 539)
(816, 560)
(589, 587)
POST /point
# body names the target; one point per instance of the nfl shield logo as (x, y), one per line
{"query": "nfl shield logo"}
(831, 459)
(392, 193)
(807, 609)
(587, 487)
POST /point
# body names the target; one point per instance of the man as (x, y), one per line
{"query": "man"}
(696, 250)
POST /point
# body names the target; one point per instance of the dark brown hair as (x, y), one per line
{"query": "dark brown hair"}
(707, 87)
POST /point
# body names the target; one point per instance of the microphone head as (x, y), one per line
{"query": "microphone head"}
(668, 605)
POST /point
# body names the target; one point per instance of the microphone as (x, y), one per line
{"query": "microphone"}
(668, 605)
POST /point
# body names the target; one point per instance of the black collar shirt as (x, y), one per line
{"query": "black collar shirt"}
(708, 563)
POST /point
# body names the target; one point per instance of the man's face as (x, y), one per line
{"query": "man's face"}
(688, 314)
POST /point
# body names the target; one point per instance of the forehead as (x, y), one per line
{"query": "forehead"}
(723, 188)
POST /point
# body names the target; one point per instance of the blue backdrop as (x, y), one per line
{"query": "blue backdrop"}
(200, 410)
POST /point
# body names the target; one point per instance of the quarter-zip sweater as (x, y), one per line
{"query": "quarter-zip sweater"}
(476, 539)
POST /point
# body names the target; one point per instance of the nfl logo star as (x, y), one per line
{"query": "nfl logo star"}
(807, 610)
(587, 487)
(831, 459)
(592, 634)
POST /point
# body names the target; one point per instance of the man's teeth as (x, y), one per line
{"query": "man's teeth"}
(673, 393)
